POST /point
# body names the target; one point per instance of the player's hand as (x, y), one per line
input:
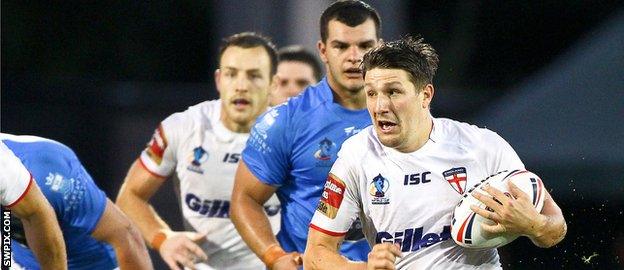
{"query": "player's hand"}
(515, 214)
(383, 256)
(290, 261)
(182, 248)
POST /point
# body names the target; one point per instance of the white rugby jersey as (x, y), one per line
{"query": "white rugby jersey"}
(204, 155)
(409, 198)
(15, 180)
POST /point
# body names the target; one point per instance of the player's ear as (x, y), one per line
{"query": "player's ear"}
(322, 49)
(428, 92)
(217, 77)
(275, 81)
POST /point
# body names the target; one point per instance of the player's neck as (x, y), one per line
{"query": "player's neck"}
(350, 99)
(421, 137)
(234, 126)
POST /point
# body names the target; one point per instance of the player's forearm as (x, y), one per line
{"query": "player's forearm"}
(44, 237)
(321, 257)
(252, 224)
(130, 250)
(552, 229)
(141, 213)
(551, 225)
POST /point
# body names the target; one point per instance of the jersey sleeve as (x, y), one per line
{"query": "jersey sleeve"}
(339, 204)
(86, 212)
(159, 157)
(499, 155)
(266, 152)
(66, 184)
(15, 180)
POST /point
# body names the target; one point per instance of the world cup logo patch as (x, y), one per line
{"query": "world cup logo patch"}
(196, 158)
(325, 153)
(378, 189)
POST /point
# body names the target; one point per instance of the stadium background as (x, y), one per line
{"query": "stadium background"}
(546, 75)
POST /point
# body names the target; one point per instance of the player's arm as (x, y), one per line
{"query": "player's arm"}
(118, 231)
(247, 214)
(133, 199)
(518, 215)
(42, 230)
(322, 253)
(551, 227)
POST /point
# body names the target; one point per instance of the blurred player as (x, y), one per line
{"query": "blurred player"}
(292, 147)
(201, 147)
(395, 176)
(87, 218)
(296, 69)
(20, 194)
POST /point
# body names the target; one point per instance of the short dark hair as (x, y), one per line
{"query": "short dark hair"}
(413, 55)
(251, 40)
(351, 13)
(298, 53)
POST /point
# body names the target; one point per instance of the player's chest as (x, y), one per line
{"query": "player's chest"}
(208, 159)
(315, 152)
(416, 188)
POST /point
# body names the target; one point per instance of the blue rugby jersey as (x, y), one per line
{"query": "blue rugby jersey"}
(77, 201)
(292, 147)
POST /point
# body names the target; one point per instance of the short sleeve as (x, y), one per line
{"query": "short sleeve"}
(159, 156)
(499, 155)
(266, 152)
(87, 212)
(14, 179)
(66, 184)
(339, 203)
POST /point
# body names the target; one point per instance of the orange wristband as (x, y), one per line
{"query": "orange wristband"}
(272, 253)
(158, 239)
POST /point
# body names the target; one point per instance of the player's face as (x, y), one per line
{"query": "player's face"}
(398, 110)
(342, 53)
(291, 78)
(243, 81)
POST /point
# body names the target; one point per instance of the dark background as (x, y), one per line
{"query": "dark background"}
(546, 75)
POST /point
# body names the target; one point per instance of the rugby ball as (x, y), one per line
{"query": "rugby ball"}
(466, 225)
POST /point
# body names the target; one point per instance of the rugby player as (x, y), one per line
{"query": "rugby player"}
(20, 194)
(201, 148)
(97, 234)
(401, 176)
(296, 69)
(293, 146)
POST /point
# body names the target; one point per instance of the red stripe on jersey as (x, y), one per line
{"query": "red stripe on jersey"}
(156, 147)
(149, 171)
(24, 193)
(330, 233)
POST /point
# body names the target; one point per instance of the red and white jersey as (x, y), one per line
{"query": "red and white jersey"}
(408, 198)
(204, 155)
(15, 180)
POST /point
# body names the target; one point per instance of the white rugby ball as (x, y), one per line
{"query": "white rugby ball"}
(466, 225)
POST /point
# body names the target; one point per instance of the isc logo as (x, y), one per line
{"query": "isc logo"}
(413, 239)
(415, 179)
(231, 157)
